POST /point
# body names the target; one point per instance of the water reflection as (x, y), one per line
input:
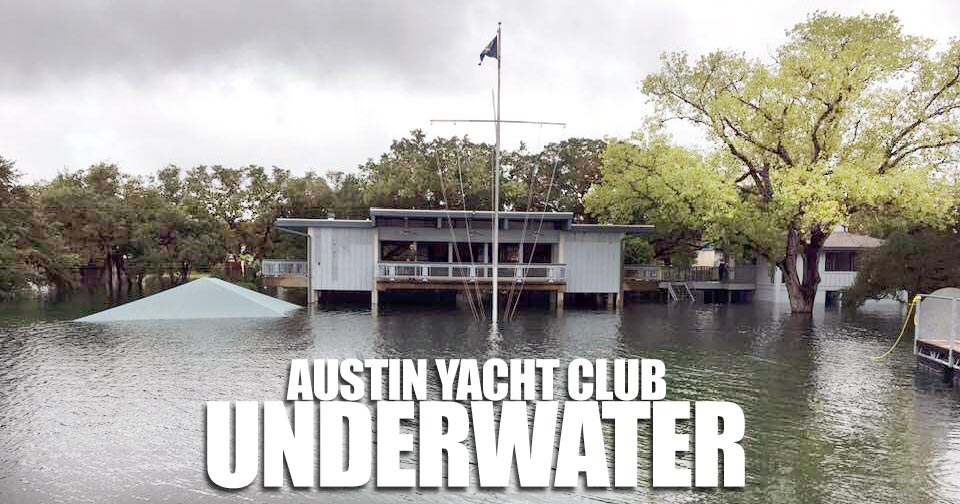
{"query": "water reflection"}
(115, 412)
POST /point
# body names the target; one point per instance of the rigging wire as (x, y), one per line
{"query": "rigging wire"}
(523, 234)
(466, 220)
(521, 266)
(456, 251)
(536, 239)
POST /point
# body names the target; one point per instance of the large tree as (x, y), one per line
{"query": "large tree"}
(850, 119)
(915, 261)
(557, 178)
(32, 250)
(439, 173)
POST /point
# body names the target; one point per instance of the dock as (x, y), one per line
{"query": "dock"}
(692, 283)
(936, 323)
(938, 352)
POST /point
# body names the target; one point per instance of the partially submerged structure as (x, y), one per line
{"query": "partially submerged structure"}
(717, 278)
(936, 329)
(838, 264)
(203, 298)
(446, 250)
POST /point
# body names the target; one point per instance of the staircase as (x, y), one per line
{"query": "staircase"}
(680, 290)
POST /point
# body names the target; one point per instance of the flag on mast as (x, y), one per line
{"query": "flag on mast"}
(490, 50)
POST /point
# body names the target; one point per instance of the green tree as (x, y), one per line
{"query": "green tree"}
(88, 207)
(557, 178)
(31, 251)
(851, 120)
(920, 260)
(417, 173)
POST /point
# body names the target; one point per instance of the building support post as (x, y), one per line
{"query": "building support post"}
(310, 265)
(620, 300)
(559, 300)
(611, 298)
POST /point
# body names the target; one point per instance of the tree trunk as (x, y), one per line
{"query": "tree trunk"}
(802, 285)
(108, 273)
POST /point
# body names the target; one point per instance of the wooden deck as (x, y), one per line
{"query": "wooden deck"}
(941, 344)
(936, 352)
(715, 285)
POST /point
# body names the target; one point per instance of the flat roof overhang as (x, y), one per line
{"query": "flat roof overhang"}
(475, 214)
(299, 226)
(631, 229)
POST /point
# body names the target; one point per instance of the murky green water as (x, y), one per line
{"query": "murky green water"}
(97, 413)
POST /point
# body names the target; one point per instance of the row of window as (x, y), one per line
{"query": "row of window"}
(531, 223)
(408, 251)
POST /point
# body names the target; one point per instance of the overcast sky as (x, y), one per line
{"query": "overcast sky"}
(322, 85)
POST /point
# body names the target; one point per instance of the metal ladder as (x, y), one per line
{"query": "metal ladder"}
(685, 291)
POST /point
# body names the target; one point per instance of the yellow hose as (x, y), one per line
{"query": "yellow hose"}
(906, 322)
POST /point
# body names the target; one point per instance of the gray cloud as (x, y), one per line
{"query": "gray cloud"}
(140, 40)
(326, 84)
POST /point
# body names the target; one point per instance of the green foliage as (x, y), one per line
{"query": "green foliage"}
(31, 249)
(638, 250)
(557, 178)
(417, 173)
(853, 121)
(166, 226)
(915, 261)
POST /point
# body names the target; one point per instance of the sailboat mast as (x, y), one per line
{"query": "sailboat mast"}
(496, 192)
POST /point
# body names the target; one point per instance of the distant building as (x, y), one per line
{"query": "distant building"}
(838, 263)
(440, 250)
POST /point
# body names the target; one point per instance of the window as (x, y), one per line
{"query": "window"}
(541, 254)
(407, 222)
(397, 251)
(841, 261)
(509, 252)
(464, 252)
(432, 252)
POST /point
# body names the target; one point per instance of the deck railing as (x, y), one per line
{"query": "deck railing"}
(530, 272)
(656, 273)
(283, 267)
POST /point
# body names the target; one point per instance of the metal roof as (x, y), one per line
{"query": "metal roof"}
(636, 229)
(202, 298)
(300, 225)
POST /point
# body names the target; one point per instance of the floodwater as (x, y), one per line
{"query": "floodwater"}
(115, 413)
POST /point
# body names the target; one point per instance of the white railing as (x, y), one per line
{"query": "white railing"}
(655, 273)
(283, 267)
(472, 272)
(936, 329)
(837, 279)
(643, 272)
